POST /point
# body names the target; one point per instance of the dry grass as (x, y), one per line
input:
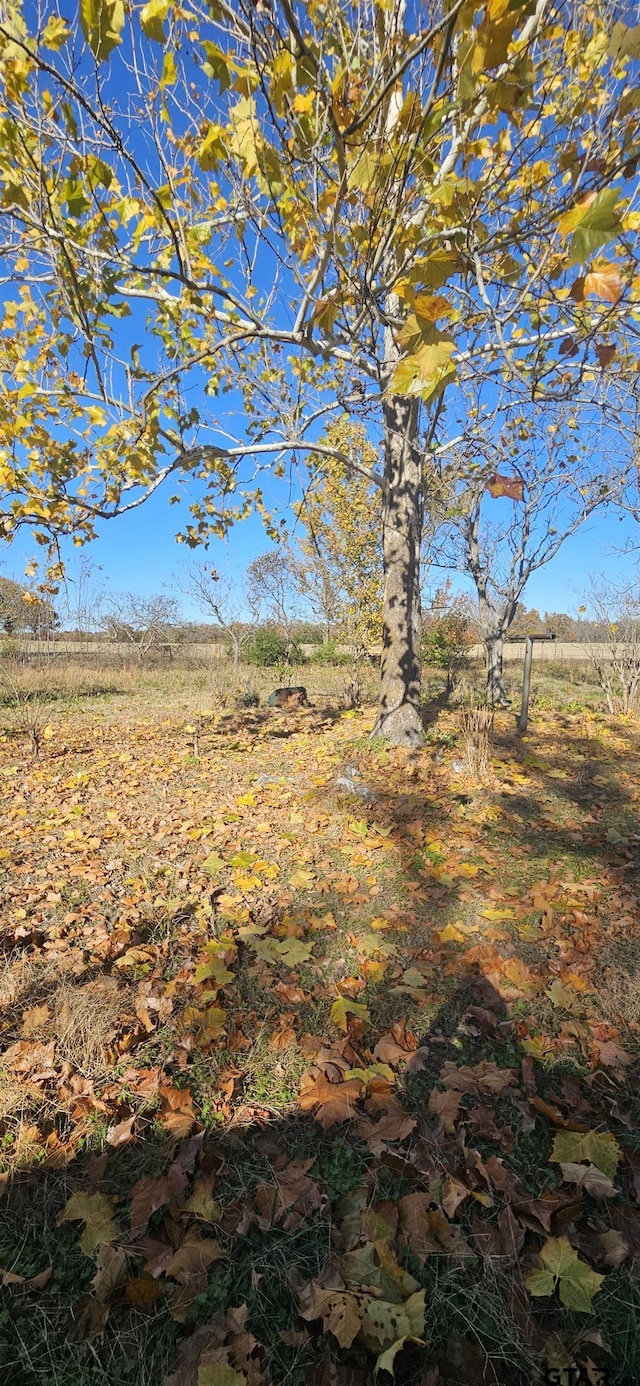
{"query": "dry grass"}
(28, 705)
(22, 978)
(84, 1022)
(476, 731)
(617, 983)
(40, 1001)
(189, 686)
(81, 1020)
(50, 680)
(16, 1097)
(146, 818)
(618, 997)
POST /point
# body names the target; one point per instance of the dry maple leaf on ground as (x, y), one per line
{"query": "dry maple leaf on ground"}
(224, 1051)
(330, 1103)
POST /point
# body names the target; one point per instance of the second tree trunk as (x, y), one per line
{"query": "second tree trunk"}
(399, 717)
(496, 695)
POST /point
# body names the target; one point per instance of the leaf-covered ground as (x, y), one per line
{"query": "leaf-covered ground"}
(302, 1085)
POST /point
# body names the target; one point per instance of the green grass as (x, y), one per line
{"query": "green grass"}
(40, 1343)
(39, 1330)
(617, 1318)
(475, 1303)
(271, 1078)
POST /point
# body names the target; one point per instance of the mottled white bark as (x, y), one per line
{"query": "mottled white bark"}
(399, 717)
(496, 696)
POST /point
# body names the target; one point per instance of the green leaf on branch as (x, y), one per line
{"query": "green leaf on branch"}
(151, 19)
(594, 222)
(55, 33)
(427, 373)
(13, 194)
(102, 22)
(434, 272)
(624, 41)
(363, 172)
(169, 72)
(212, 149)
(217, 65)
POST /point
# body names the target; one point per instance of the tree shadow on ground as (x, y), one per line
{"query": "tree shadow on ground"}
(248, 1216)
(268, 722)
(488, 1195)
(556, 829)
(433, 706)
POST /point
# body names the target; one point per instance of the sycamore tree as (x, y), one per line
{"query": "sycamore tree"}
(221, 596)
(22, 609)
(614, 644)
(143, 623)
(275, 593)
(288, 208)
(341, 538)
(523, 489)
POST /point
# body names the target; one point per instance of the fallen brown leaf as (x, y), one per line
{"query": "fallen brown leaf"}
(331, 1103)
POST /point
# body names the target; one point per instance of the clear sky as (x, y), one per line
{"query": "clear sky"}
(138, 552)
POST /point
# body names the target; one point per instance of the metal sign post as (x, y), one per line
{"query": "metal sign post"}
(523, 719)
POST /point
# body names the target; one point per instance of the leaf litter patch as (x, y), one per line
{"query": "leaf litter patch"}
(371, 1134)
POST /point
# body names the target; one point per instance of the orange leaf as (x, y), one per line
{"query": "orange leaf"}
(192, 1257)
(282, 1039)
(334, 1101)
(24, 1056)
(396, 1125)
(338, 1309)
(510, 486)
(445, 1106)
(34, 1019)
(120, 1134)
(143, 1293)
(427, 1231)
(604, 283)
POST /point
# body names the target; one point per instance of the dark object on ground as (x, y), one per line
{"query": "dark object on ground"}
(248, 698)
(289, 697)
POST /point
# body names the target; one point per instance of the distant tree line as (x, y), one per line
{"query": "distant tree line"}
(24, 611)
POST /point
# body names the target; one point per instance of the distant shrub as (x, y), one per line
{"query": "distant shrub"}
(307, 634)
(267, 648)
(330, 656)
(9, 648)
(446, 642)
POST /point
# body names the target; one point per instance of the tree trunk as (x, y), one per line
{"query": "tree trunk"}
(400, 676)
(496, 696)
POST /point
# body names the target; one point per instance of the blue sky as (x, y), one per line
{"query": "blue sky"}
(138, 552)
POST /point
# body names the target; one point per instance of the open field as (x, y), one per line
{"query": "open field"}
(559, 652)
(190, 683)
(295, 1080)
